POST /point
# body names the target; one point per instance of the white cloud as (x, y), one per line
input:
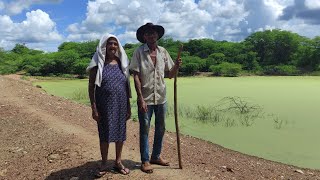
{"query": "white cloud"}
(276, 6)
(109, 16)
(6, 24)
(299, 26)
(231, 20)
(37, 28)
(182, 19)
(17, 6)
(312, 4)
(1, 5)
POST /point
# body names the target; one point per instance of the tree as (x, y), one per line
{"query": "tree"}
(285, 45)
(79, 67)
(190, 68)
(9, 62)
(84, 49)
(248, 60)
(202, 47)
(68, 46)
(274, 47)
(316, 54)
(20, 49)
(215, 58)
(59, 63)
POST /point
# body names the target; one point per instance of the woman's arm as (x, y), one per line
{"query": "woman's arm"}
(91, 89)
(128, 103)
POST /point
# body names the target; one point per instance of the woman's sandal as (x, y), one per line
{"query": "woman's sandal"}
(100, 172)
(121, 169)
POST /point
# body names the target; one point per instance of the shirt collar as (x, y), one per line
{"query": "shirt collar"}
(146, 47)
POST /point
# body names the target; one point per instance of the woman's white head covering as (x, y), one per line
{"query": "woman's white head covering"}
(99, 58)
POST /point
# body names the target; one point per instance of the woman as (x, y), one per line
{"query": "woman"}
(109, 92)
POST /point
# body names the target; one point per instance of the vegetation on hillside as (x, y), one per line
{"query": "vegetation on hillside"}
(271, 52)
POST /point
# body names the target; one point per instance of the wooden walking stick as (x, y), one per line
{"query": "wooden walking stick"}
(176, 111)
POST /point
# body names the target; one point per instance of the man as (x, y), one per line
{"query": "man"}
(149, 64)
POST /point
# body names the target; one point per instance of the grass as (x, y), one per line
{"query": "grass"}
(276, 118)
(71, 89)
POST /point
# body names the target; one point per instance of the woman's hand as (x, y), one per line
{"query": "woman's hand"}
(95, 114)
(128, 113)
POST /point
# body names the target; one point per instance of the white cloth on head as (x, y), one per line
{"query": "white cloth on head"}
(99, 58)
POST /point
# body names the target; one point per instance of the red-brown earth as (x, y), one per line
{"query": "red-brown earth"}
(48, 137)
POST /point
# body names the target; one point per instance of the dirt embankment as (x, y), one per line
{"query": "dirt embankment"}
(48, 137)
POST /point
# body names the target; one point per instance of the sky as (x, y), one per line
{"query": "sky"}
(45, 24)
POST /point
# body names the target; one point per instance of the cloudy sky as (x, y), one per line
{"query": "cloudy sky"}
(45, 24)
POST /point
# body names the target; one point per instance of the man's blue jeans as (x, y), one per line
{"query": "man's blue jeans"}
(144, 121)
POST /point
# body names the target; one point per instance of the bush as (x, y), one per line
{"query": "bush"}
(287, 70)
(79, 67)
(217, 70)
(281, 70)
(32, 70)
(190, 68)
(226, 69)
(203, 113)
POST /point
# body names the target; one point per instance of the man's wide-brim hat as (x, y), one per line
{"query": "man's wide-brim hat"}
(149, 26)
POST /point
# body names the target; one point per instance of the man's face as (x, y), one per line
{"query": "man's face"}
(150, 36)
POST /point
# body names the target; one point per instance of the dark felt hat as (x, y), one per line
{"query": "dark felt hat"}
(140, 32)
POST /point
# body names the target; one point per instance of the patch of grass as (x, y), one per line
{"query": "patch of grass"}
(134, 110)
(80, 95)
(229, 112)
(203, 113)
(229, 122)
(277, 122)
(27, 78)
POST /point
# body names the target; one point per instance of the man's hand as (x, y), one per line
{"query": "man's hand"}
(175, 68)
(178, 62)
(142, 106)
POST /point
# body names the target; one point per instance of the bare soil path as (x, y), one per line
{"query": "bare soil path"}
(48, 137)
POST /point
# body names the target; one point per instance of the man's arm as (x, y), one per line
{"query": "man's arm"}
(174, 70)
(137, 84)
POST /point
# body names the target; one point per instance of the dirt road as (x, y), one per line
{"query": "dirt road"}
(48, 137)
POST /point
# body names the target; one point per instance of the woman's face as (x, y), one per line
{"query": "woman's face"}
(112, 46)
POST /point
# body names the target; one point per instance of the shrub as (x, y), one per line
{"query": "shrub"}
(203, 113)
(80, 95)
(79, 67)
(226, 69)
(190, 68)
(282, 70)
(216, 70)
(287, 70)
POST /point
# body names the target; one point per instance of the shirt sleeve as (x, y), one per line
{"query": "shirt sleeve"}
(135, 61)
(168, 63)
